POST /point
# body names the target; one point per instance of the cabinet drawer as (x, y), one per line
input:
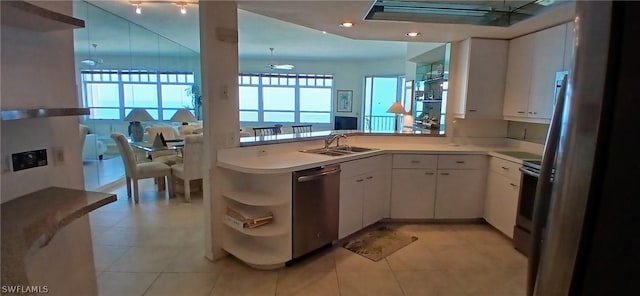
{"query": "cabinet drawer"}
(458, 161)
(505, 167)
(415, 161)
(361, 166)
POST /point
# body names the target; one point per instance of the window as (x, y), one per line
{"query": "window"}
(290, 98)
(111, 94)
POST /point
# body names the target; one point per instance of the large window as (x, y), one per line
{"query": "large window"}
(111, 94)
(290, 98)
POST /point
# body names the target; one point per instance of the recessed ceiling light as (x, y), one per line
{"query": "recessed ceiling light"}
(346, 24)
(413, 34)
(324, 32)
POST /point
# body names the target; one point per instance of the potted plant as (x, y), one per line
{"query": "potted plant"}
(196, 99)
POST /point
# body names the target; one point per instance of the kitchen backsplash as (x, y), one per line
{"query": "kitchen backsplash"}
(530, 132)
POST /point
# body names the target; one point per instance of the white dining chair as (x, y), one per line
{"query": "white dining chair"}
(136, 171)
(191, 166)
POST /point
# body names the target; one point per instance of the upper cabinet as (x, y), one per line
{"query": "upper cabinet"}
(25, 15)
(478, 76)
(533, 62)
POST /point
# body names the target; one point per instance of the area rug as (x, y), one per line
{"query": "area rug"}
(379, 243)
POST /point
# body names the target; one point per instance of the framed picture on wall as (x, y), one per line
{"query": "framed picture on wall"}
(344, 100)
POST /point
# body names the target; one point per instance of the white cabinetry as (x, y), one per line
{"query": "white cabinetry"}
(413, 186)
(267, 246)
(364, 193)
(479, 78)
(443, 187)
(503, 187)
(460, 186)
(533, 62)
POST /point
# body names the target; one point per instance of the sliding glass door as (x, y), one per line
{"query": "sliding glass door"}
(380, 93)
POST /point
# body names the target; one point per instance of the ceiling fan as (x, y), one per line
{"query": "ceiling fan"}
(93, 60)
(274, 66)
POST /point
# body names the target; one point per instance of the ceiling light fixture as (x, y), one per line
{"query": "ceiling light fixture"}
(138, 7)
(274, 66)
(346, 24)
(413, 34)
(183, 8)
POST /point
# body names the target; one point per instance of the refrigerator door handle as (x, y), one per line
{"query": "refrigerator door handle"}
(543, 188)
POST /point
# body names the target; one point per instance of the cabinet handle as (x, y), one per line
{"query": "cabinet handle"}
(514, 185)
(369, 178)
(459, 161)
(505, 168)
(428, 174)
(415, 161)
(521, 112)
(533, 113)
(472, 110)
(444, 174)
(359, 180)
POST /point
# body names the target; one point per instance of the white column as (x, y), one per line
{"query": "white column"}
(219, 60)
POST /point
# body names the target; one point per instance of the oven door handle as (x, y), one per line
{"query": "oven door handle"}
(529, 172)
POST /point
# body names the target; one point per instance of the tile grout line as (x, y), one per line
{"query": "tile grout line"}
(395, 277)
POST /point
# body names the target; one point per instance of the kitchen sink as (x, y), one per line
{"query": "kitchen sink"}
(338, 151)
(354, 149)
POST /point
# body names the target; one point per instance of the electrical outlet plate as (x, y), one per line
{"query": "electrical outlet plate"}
(6, 163)
(29, 159)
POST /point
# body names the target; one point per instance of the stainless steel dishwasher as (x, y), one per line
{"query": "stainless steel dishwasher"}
(316, 198)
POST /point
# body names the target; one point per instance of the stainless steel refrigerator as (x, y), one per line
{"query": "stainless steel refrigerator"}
(586, 238)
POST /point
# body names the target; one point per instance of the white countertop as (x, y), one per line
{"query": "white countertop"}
(287, 162)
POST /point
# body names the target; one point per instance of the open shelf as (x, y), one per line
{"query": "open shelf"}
(256, 198)
(271, 229)
(253, 251)
(25, 15)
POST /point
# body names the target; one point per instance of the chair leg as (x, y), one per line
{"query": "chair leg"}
(160, 181)
(128, 180)
(136, 193)
(170, 184)
(187, 190)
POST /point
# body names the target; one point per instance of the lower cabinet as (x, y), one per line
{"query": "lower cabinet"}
(501, 204)
(413, 193)
(364, 194)
(460, 194)
(452, 189)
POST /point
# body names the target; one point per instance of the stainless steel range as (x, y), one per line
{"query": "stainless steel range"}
(522, 231)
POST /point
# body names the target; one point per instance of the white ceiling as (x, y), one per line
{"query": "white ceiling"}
(294, 28)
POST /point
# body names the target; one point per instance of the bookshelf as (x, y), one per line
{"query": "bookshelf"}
(264, 247)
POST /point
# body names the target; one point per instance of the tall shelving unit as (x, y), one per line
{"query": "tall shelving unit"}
(268, 246)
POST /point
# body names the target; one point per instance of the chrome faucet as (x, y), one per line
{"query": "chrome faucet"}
(330, 138)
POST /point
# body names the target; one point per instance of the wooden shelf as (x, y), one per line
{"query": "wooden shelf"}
(256, 198)
(25, 15)
(14, 114)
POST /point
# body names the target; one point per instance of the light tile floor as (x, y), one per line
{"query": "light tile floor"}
(156, 248)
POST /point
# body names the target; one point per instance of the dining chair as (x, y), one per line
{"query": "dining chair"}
(306, 128)
(264, 131)
(191, 166)
(136, 171)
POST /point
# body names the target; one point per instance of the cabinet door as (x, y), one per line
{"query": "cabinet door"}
(518, 81)
(412, 193)
(501, 203)
(460, 76)
(375, 204)
(548, 56)
(486, 78)
(460, 194)
(351, 194)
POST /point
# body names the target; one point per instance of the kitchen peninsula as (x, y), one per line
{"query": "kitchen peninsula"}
(411, 179)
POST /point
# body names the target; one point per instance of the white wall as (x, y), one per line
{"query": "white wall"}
(38, 71)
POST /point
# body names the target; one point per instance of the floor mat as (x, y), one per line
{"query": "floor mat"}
(379, 243)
